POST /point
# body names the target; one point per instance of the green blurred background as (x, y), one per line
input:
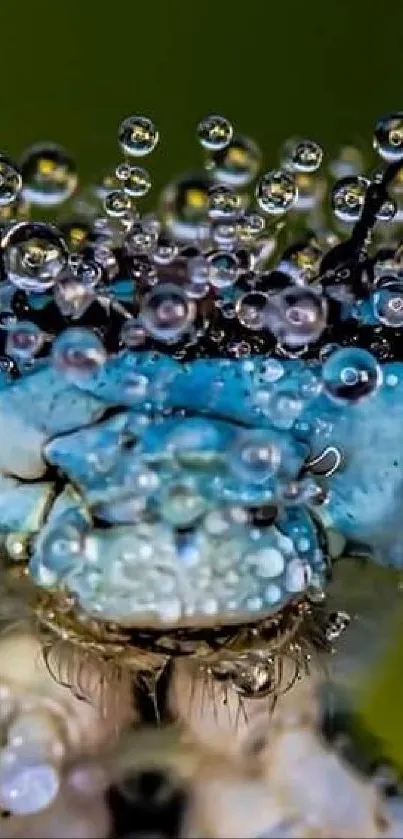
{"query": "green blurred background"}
(72, 69)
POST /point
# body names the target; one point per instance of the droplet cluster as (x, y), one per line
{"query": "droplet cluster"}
(172, 378)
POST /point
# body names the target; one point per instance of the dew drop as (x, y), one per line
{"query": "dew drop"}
(276, 192)
(34, 255)
(135, 180)
(10, 182)
(223, 202)
(251, 310)
(138, 136)
(24, 340)
(388, 301)
(347, 198)
(302, 155)
(117, 203)
(78, 353)
(49, 175)
(255, 456)
(224, 269)
(214, 132)
(184, 208)
(167, 313)
(296, 316)
(236, 165)
(388, 137)
(351, 374)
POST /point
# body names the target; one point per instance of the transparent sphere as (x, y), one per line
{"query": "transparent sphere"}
(10, 181)
(347, 198)
(167, 313)
(166, 250)
(388, 210)
(388, 137)
(237, 164)
(137, 136)
(387, 301)
(251, 309)
(223, 202)
(296, 316)
(24, 340)
(224, 269)
(133, 334)
(214, 132)
(250, 225)
(181, 504)
(276, 192)
(78, 353)
(255, 456)
(347, 162)
(117, 203)
(302, 155)
(49, 175)
(185, 206)
(351, 374)
(85, 270)
(34, 255)
(135, 180)
(27, 786)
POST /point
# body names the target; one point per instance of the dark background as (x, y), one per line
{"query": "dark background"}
(71, 69)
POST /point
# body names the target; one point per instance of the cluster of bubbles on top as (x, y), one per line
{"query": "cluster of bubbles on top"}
(209, 330)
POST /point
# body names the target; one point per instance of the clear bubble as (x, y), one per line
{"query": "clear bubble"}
(117, 203)
(224, 232)
(78, 353)
(250, 225)
(167, 313)
(10, 182)
(224, 269)
(181, 504)
(302, 155)
(108, 182)
(214, 132)
(185, 206)
(72, 297)
(34, 255)
(255, 456)
(388, 210)
(388, 137)
(85, 270)
(388, 300)
(49, 175)
(141, 240)
(351, 374)
(24, 340)
(296, 316)
(236, 165)
(198, 277)
(223, 202)
(251, 310)
(166, 250)
(135, 180)
(347, 198)
(133, 334)
(276, 192)
(138, 136)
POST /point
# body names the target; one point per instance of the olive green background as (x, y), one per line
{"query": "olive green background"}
(70, 71)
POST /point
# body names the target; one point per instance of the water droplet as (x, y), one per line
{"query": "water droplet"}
(138, 136)
(224, 269)
(251, 310)
(117, 203)
(296, 316)
(49, 175)
(78, 353)
(223, 202)
(24, 340)
(181, 504)
(347, 198)
(388, 300)
(388, 137)
(214, 132)
(86, 271)
(184, 207)
(198, 277)
(34, 255)
(166, 312)
(135, 180)
(236, 165)
(166, 250)
(347, 163)
(388, 210)
(276, 192)
(302, 155)
(72, 297)
(10, 182)
(351, 374)
(250, 225)
(133, 333)
(255, 456)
